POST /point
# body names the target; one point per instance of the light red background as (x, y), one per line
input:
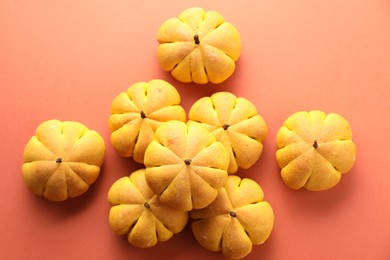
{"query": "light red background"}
(67, 60)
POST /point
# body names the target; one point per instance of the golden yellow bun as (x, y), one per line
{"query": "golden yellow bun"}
(62, 159)
(198, 46)
(236, 220)
(314, 150)
(234, 121)
(185, 165)
(138, 213)
(138, 112)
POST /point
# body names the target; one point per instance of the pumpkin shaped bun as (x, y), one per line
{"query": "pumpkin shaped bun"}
(138, 112)
(234, 121)
(62, 159)
(138, 213)
(314, 149)
(198, 46)
(185, 165)
(236, 220)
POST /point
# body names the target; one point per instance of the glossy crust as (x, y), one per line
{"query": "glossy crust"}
(314, 150)
(138, 112)
(235, 122)
(198, 46)
(185, 165)
(62, 160)
(138, 213)
(236, 220)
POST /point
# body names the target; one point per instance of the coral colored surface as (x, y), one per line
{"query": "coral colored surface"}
(68, 59)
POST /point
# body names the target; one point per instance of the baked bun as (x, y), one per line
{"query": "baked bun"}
(138, 213)
(236, 220)
(62, 160)
(235, 122)
(198, 46)
(138, 112)
(185, 165)
(314, 150)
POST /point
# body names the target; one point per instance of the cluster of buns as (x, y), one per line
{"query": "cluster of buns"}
(188, 171)
(189, 163)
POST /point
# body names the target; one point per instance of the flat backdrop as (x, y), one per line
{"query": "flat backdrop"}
(67, 60)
